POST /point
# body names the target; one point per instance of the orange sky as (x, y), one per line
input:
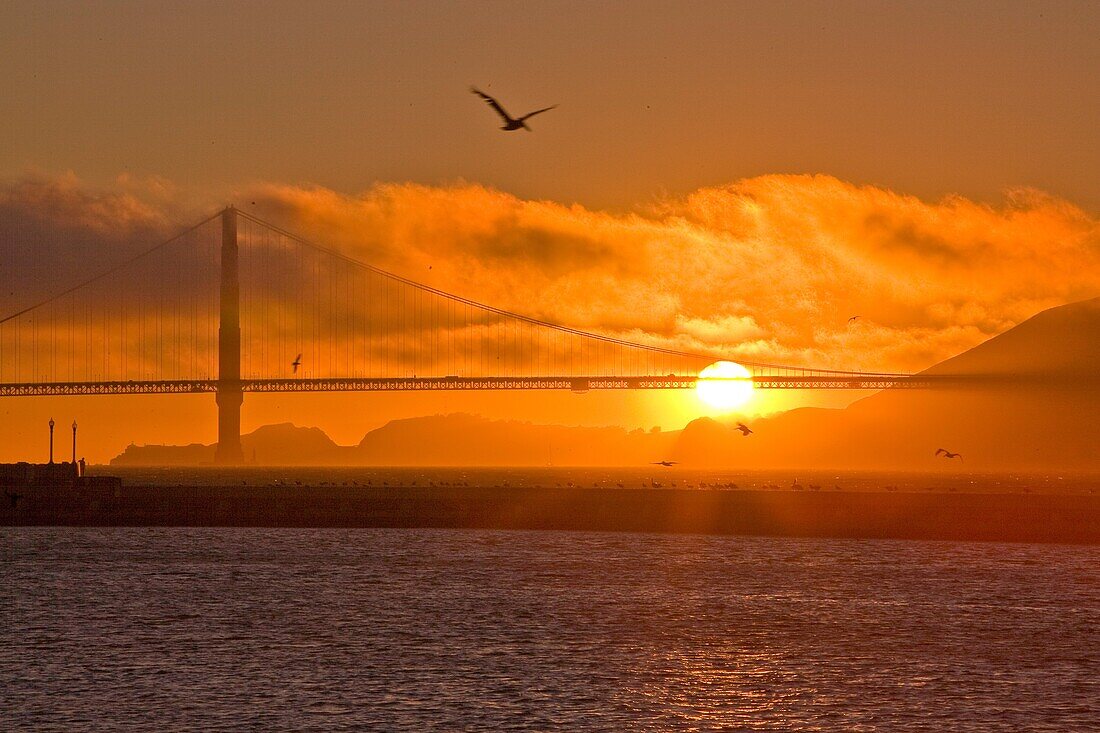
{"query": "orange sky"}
(930, 98)
(735, 178)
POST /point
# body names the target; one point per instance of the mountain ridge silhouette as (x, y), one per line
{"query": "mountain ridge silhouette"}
(1049, 421)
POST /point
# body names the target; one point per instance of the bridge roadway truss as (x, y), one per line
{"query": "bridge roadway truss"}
(449, 383)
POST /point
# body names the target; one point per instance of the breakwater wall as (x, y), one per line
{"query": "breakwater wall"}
(980, 517)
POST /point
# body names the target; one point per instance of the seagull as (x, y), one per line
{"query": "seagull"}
(745, 430)
(666, 464)
(510, 123)
(948, 454)
(852, 320)
(296, 363)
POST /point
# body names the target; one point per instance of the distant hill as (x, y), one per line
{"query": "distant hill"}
(468, 440)
(195, 454)
(271, 445)
(437, 440)
(1051, 418)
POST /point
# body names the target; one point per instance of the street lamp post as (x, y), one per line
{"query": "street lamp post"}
(51, 439)
(74, 443)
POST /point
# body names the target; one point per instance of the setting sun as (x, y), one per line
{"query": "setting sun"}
(725, 385)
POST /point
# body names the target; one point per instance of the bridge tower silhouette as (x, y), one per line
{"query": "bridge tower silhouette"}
(229, 395)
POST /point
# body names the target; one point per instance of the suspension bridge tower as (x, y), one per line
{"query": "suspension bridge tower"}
(229, 395)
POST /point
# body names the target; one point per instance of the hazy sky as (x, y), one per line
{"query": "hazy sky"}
(929, 98)
(738, 177)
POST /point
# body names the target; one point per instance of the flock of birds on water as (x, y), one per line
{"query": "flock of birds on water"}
(648, 483)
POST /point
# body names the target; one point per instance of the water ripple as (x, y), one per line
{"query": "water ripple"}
(330, 630)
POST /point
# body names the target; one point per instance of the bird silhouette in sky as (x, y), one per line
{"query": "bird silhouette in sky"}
(948, 454)
(666, 464)
(745, 430)
(852, 320)
(296, 363)
(510, 123)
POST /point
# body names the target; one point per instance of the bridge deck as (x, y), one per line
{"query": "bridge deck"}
(432, 384)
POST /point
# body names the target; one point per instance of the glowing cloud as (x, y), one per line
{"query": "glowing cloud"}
(765, 269)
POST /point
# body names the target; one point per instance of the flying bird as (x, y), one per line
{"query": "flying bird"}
(666, 464)
(510, 123)
(296, 363)
(948, 454)
(745, 430)
(852, 320)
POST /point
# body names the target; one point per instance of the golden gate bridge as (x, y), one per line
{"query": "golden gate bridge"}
(228, 305)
